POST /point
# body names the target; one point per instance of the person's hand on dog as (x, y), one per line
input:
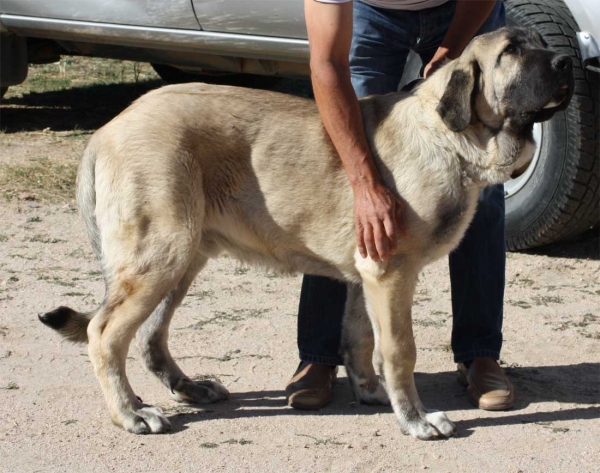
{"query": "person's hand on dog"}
(378, 221)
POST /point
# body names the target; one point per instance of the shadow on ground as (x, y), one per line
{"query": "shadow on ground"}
(75, 108)
(585, 246)
(88, 108)
(569, 384)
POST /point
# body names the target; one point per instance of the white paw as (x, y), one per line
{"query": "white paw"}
(441, 422)
(431, 426)
(146, 420)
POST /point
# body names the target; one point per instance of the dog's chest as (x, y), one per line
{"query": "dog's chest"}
(453, 218)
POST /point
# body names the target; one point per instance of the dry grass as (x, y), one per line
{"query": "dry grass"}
(45, 179)
(76, 72)
(60, 105)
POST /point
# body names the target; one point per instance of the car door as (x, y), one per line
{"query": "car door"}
(152, 13)
(280, 18)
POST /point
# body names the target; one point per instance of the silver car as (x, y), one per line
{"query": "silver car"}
(243, 42)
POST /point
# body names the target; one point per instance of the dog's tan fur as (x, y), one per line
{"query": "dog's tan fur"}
(190, 171)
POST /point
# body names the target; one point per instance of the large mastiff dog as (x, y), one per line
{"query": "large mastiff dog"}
(190, 171)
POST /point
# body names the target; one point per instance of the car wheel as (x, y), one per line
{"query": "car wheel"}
(557, 196)
(174, 75)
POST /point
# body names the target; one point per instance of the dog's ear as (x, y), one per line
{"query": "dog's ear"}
(456, 104)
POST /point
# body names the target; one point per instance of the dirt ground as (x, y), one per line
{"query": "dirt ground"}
(238, 325)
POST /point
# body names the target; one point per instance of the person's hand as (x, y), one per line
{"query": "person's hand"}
(378, 221)
(438, 60)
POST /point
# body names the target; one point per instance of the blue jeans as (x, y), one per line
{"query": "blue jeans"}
(380, 45)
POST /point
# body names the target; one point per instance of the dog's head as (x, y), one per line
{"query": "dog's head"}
(508, 74)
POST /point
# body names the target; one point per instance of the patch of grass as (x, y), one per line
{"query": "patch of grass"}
(28, 258)
(545, 300)
(3, 238)
(241, 270)
(78, 253)
(55, 280)
(209, 445)
(202, 295)
(34, 220)
(585, 321)
(238, 442)
(319, 441)
(429, 322)
(76, 294)
(521, 304)
(593, 336)
(11, 386)
(77, 71)
(230, 355)
(440, 312)
(47, 179)
(43, 239)
(222, 317)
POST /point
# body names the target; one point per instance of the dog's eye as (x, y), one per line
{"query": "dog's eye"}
(510, 49)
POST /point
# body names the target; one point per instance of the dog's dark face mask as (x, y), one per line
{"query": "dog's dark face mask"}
(543, 84)
(508, 74)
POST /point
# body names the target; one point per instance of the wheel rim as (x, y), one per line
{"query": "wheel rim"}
(515, 185)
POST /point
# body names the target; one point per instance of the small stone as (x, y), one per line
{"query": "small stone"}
(33, 206)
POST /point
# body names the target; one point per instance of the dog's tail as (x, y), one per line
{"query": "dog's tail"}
(86, 195)
(69, 323)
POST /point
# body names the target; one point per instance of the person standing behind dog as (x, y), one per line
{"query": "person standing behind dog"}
(361, 49)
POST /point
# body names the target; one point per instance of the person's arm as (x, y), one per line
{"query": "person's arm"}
(469, 16)
(377, 213)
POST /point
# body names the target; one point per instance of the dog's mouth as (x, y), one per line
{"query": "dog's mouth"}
(557, 102)
(558, 98)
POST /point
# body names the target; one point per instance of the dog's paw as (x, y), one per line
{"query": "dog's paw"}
(371, 393)
(199, 392)
(441, 422)
(146, 420)
(432, 426)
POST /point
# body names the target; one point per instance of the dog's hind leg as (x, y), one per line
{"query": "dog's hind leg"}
(152, 342)
(389, 295)
(358, 349)
(129, 302)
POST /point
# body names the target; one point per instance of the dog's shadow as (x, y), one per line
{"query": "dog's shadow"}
(569, 384)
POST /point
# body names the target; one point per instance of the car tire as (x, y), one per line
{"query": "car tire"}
(558, 195)
(174, 75)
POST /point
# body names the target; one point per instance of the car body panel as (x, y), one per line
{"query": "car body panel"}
(167, 14)
(257, 17)
(162, 38)
(587, 16)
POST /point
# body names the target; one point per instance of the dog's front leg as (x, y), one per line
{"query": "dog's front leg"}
(358, 348)
(389, 293)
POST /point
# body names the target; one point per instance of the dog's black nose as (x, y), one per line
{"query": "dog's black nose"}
(562, 62)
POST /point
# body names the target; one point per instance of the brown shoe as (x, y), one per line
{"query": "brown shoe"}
(487, 385)
(310, 387)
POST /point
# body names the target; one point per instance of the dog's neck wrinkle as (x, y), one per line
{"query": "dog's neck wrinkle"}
(498, 156)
